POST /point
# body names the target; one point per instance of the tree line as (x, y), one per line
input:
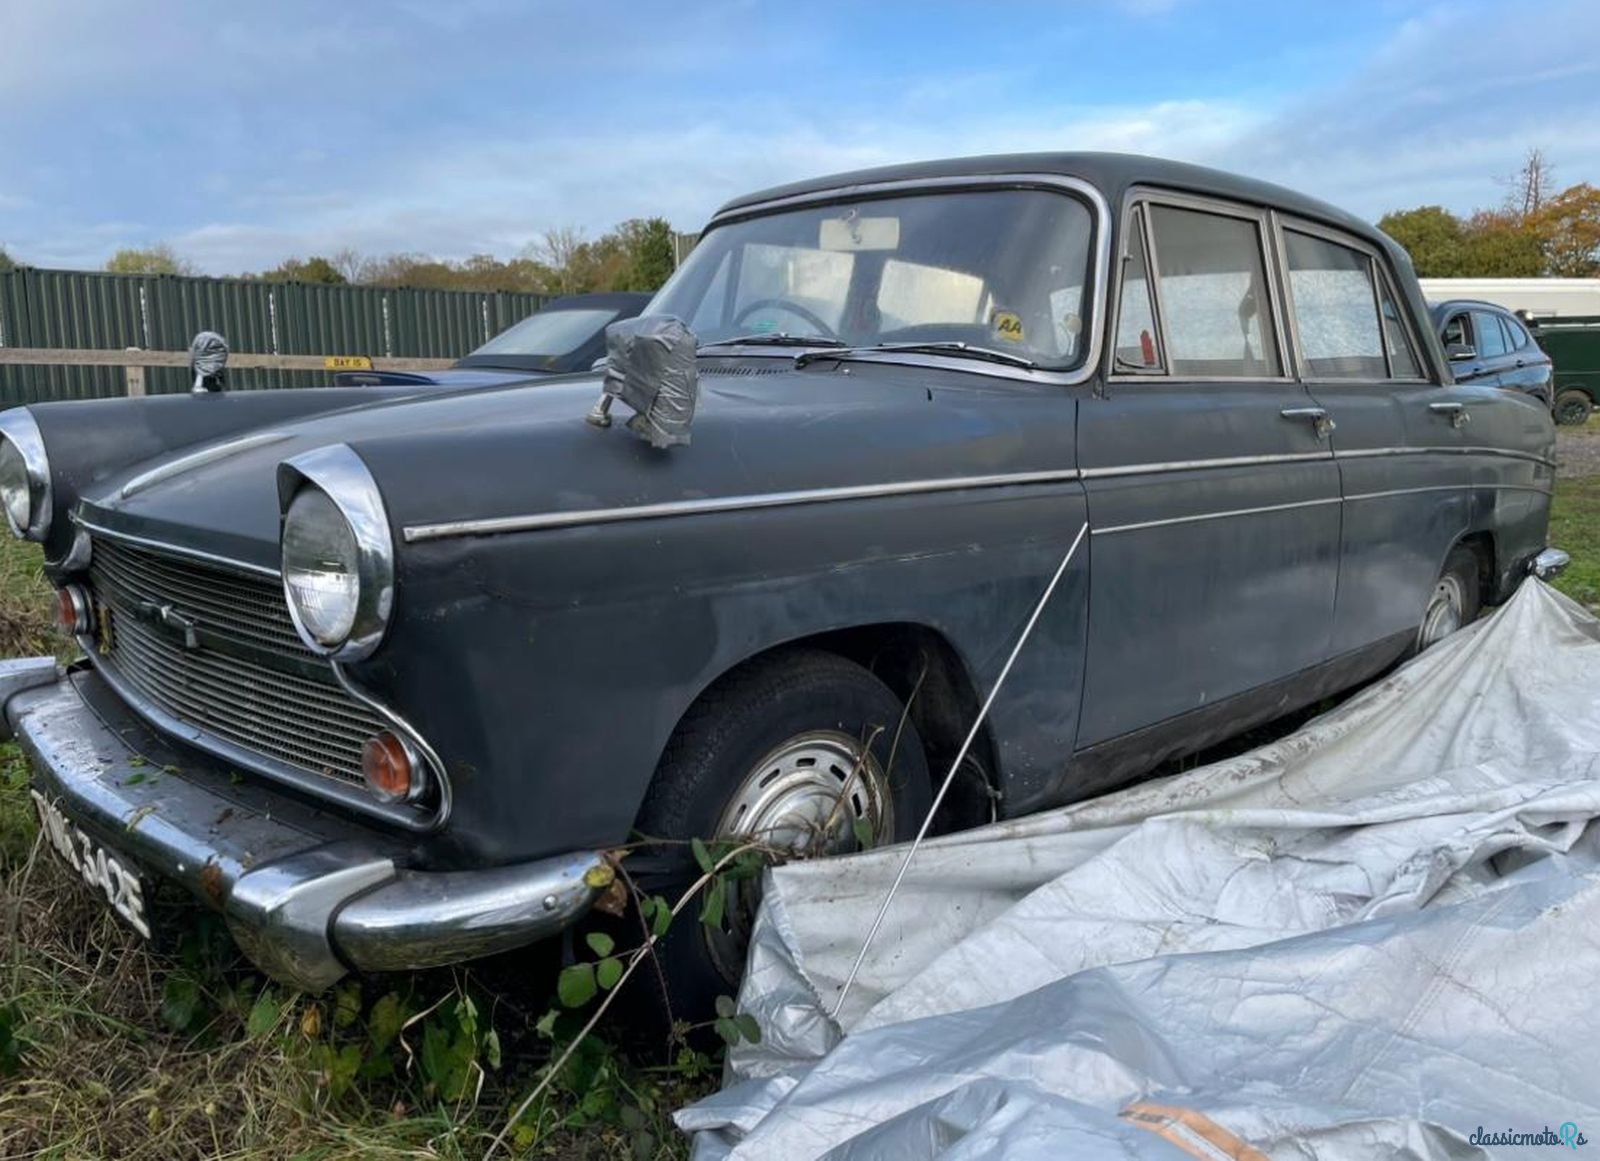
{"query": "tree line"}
(639, 254)
(1537, 231)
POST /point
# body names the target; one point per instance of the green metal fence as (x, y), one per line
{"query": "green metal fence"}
(162, 312)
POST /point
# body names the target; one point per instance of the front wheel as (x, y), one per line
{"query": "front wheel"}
(804, 753)
(1572, 408)
(1455, 599)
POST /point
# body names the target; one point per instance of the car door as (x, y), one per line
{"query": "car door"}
(1213, 496)
(1480, 334)
(1527, 367)
(1400, 437)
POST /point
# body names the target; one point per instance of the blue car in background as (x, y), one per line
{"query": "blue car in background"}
(567, 335)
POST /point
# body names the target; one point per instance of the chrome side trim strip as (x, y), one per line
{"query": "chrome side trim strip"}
(84, 522)
(1451, 488)
(417, 533)
(1201, 465)
(1216, 515)
(1504, 453)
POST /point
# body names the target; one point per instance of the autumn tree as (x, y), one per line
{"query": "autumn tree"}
(1496, 244)
(1529, 188)
(1568, 226)
(1432, 235)
(316, 269)
(157, 259)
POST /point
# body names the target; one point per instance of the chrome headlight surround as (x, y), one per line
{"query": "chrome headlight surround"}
(23, 447)
(342, 478)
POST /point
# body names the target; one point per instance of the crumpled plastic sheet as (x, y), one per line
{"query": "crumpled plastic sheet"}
(1371, 938)
(651, 366)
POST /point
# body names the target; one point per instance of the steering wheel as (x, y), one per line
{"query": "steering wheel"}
(793, 308)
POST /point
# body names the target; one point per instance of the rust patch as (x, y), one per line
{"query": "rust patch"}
(213, 884)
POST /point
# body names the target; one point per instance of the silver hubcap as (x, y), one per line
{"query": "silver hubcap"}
(1443, 616)
(813, 795)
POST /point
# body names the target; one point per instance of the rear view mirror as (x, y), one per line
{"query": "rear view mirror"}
(1461, 352)
(650, 366)
(208, 362)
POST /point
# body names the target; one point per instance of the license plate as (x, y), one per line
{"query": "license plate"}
(101, 869)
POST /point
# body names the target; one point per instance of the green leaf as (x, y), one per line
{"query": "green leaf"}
(576, 985)
(660, 915)
(863, 833)
(608, 972)
(727, 1029)
(347, 1005)
(342, 1068)
(600, 943)
(491, 1048)
(264, 1015)
(726, 1007)
(546, 1025)
(134, 779)
(716, 903)
(180, 1002)
(701, 855)
(746, 1023)
(385, 1021)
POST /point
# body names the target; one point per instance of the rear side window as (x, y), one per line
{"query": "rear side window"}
(1491, 338)
(1137, 349)
(1402, 358)
(1335, 309)
(1211, 293)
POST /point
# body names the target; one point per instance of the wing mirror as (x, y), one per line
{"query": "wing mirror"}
(208, 362)
(1461, 352)
(650, 366)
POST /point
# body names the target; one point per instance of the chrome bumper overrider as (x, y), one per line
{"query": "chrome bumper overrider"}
(306, 897)
(1549, 563)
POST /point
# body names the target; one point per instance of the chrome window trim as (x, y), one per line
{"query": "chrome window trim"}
(541, 521)
(1095, 277)
(1145, 196)
(228, 562)
(341, 475)
(1381, 279)
(18, 426)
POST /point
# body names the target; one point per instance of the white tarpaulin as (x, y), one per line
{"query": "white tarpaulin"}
(1372, 938)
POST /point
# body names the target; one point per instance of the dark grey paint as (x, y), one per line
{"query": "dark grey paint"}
(550, 667)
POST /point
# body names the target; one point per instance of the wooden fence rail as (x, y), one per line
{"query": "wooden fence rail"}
(134, 361)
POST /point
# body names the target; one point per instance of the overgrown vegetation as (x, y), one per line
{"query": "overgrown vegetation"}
(1575, 526)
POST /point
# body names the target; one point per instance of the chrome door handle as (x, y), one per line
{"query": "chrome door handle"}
(1458, 413)
(1320, 422)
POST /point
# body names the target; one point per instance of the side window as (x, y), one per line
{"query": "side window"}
(1455, 332)
(1402, 358)
(1136, 317)
(1491, 339)
(1211, 291)
(1335, 309)
(1516, 334)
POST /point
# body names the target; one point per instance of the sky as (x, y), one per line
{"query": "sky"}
(248, 132)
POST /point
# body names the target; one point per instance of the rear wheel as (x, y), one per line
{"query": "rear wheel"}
(804, 752)
(1455, 599)
(1572, 407)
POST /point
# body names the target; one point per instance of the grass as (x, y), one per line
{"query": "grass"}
(1575, 526)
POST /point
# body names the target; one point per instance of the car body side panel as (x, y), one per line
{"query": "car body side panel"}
(583, 647)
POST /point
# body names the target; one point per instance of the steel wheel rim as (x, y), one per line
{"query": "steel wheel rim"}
(1443, 616)
(1573, 413)
(791, 800)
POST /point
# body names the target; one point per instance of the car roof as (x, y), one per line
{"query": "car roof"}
(1450, 306)
(1111, 173)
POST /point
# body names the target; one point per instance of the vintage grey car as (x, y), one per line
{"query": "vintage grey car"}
(382, 676)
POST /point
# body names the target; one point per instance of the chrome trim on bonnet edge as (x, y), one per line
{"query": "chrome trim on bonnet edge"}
(186, 463)
(1097, 278)
(416, 533)
(84, 522)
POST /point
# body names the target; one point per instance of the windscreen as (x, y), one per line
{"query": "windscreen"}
(1003, 269)
(548, 333)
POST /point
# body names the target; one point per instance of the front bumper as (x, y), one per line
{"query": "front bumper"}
(308, 896)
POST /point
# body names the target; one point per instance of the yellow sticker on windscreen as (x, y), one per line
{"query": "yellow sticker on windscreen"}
(1007, 325)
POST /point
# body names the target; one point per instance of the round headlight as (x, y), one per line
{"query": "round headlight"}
(15, 489)
(321, 568)
(337, 553)
(24, 475)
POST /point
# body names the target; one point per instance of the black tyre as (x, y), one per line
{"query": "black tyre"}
(1572, 407)
(766, 752)
(1455, 599)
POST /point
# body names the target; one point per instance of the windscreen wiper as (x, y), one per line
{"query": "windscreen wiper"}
(960, 350)
(774, 339)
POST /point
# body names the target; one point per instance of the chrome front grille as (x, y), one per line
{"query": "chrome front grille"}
(214, 649)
